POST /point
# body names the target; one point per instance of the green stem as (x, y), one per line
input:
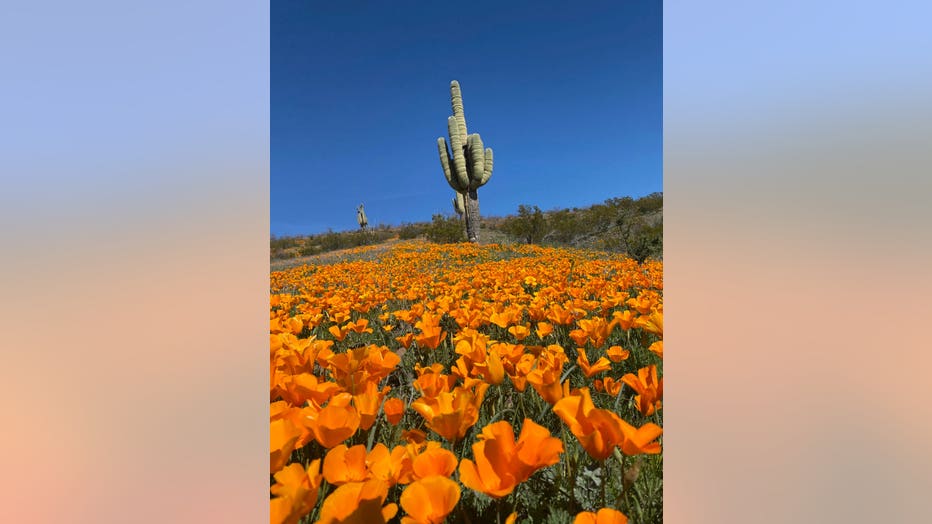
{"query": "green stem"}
(604, 478)
(623, 497)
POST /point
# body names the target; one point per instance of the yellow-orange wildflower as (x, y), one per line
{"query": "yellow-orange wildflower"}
(603, 516)
(295, 491)
(358, 502)
(429, 500)
(648, 387)
(501, 463)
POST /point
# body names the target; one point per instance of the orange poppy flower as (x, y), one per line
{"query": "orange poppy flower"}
(617, 353)
(643, 302)
(551, 392)
(359, 326)
(394, 409)
(544, 329)
(468, 317)
(358, 502)
(600, 365)
(451, 414)
(410, 315)
(609, 386)
(649, 389)
(520, 332)
(545, 377)
(334, 423)
(507, 317)
(598, 329)
(312, 320)
(295, 491)
(297, 416)
(557, 314)
(624, 319)
(338, 332)
(367, 404)
(430, 336)
(652, 323)
(434, 461)
(298, 389)
(635, 441)
(339, 316)
(603, 516)
(490, 367)
(395, 467)
(522, 367)
(380, 361)
(353, 368)
(284, 435)
(501, 463)
(429, 500)
(657, 348)
(579, 336)
(414, 436)
(475, 340)
(436, 368)
(405, 340)
(288, 325)
(598, 430)
(433, 384)
(342, 464)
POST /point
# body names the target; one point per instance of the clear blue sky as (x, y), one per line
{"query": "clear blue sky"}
(567, 94)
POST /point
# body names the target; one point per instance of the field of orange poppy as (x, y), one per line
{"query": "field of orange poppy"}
(467, 384)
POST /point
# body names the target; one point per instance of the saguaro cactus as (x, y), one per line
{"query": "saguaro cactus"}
(466, 165)
(361, 217)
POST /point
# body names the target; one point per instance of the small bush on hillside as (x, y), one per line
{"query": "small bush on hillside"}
(282, 243)
(563, 226)
(308, 250)
(409, 231)
(529, 226)
(647, 243)
(445, 230)
(278, 254)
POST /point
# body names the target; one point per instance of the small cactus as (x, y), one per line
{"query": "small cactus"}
(467, 166)
(361, 217)
(459, 205)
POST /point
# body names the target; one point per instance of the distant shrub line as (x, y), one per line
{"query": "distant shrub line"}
(623, 225)
(626, 225)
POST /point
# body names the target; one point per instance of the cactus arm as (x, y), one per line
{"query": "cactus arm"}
(487, 165)
(456, 99)
(445, 162)
(459, 204)
(459, 157)
(475, 162)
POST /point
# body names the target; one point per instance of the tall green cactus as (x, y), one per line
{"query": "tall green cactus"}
(466, 165)
(361, 217)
